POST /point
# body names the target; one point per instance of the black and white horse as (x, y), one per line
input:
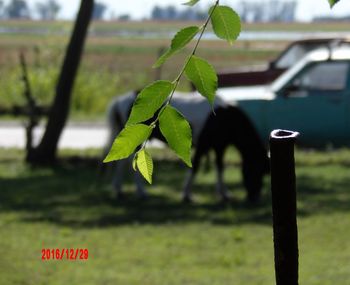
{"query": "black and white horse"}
(227, 126)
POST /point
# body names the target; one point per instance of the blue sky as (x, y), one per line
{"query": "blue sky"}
(142, 8)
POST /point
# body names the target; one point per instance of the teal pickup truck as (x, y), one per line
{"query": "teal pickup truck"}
(312, 97)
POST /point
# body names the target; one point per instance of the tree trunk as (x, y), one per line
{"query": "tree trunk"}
(45, 153)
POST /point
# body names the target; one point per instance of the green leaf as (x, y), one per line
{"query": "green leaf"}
(191, 3)
(203, 76)
(226, 23)
(180, 40)
(333, 2)
(145, 165)
(127, 141)
(149, 101)
(177, 132)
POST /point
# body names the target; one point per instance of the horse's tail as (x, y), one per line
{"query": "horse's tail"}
(116, 119)
(114, 124)
(117, 114)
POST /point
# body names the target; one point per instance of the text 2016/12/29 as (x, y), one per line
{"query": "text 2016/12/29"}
(64, 253)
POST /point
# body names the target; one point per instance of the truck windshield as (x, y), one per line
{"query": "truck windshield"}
(295, 53)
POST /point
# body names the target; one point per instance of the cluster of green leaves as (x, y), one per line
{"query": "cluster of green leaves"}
(156, 97)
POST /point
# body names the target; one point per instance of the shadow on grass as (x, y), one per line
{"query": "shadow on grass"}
(318, 195)
(72, 195)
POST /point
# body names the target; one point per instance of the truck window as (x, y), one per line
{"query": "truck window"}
(324, 76)
(295, 53)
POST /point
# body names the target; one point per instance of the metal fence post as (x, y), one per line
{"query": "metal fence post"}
(285, 231)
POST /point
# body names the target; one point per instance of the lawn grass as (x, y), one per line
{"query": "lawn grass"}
(160, 240)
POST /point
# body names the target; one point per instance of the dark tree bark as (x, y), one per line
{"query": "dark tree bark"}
(45, 153)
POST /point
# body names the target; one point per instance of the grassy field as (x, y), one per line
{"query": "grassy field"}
(110, 66)
(161, 241)
(114, 63)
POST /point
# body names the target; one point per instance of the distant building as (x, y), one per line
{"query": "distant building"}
(171, 13)
(267, 11)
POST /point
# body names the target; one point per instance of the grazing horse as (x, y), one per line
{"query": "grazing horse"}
(227, 125)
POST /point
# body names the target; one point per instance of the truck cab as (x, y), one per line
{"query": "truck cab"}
(248, 76)
(312, 97)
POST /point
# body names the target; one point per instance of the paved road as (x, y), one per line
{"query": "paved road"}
(76, 135)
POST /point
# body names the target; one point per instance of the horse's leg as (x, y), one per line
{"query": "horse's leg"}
(187, 195)
(117, 180)
(220, 185)
(141, 192)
